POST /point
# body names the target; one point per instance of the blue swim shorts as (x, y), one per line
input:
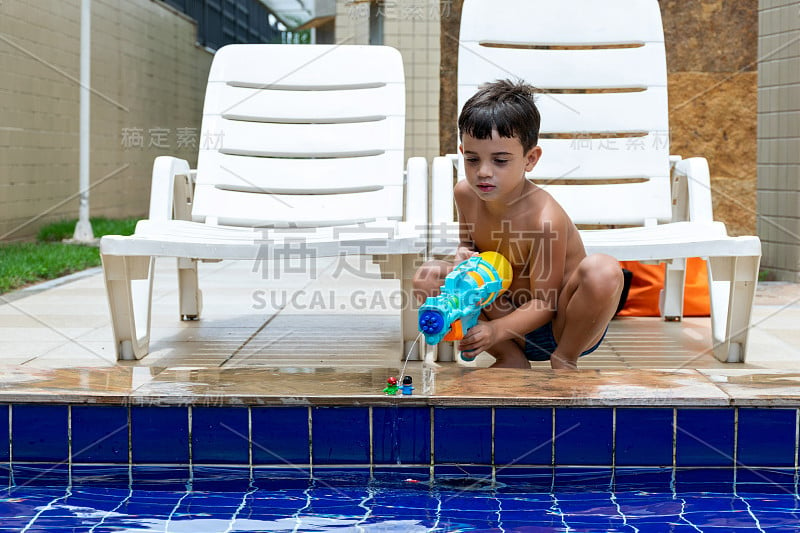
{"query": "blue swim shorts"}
(540, 343)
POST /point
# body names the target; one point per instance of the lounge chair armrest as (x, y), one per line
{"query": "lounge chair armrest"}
(691, 191)
(417, 192)
(171, 190)
(442, 190)
(458, 163)
(443, 226)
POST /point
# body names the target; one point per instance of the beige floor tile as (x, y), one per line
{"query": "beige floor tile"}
(43, 332)
(762, 387)
(354, 320)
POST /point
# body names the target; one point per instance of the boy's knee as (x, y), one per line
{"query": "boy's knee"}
(602, 273)
(429, 278)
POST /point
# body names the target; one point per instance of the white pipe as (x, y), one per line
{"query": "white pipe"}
(83, 229)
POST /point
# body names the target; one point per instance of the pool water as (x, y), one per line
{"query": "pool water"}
(401, 504)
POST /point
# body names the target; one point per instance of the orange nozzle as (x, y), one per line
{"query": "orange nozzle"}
(456, 332)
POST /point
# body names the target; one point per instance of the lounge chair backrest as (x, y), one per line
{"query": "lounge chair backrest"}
(604, 103)
(304, 136)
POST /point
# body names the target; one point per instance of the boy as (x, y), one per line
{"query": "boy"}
(560, 300)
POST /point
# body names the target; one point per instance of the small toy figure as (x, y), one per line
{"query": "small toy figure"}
(391, 386)
(407, 388)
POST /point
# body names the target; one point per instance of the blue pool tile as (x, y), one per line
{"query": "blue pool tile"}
(580, 479)
(401, 435)
(590, 511)
(99, 434)
(268, 478)
(340, 435)
(767, 437)
(644, 437)
(400, 474)
(704, 480)
(584, 436)
(462, 477)
(522, 521)
(657, 524)
(220, 435)
(39, 433)
(93, 476)
(707, 504)
(704, 437)
(342, 477)
(596, 523)
(645, 505)
(523, 436)
(643, 479)
(100, 500)
(471, 506)
(142, 506)
(221, 478)
(5, 443)
(765, 480)
(462, 435)
(161, 478)
(160, 435)
(280, 436)
(41, 475)
(527, 478)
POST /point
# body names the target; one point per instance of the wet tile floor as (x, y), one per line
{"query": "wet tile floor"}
(275, 338)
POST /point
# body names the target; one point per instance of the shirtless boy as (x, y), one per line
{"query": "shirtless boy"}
(561, 300)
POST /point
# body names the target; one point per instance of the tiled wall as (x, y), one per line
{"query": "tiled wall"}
(506, 438)
(148, 79)
(411, 26)
(148, 82)
(414, 30)
(779, 137)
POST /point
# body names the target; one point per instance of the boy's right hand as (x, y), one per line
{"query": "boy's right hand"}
(463, 253)
(479, 338)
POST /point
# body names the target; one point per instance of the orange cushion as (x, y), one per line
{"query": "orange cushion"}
(648, 280)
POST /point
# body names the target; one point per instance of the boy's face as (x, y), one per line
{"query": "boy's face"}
(496, 167)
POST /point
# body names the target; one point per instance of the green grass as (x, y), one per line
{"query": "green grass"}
(24, 263)
(58, 231)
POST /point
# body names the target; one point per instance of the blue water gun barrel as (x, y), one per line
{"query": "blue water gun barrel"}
(472, 285)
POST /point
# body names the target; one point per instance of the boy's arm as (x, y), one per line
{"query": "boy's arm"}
(466, 247)
(546, 263)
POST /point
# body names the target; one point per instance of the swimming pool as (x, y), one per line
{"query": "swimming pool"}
(378, 464)
(97, 499)
(634, 451)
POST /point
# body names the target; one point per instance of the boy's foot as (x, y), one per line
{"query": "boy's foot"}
(558, 362)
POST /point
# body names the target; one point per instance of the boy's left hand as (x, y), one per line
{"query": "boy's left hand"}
(479, 338)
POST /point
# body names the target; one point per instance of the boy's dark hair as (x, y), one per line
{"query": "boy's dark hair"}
(505, 106)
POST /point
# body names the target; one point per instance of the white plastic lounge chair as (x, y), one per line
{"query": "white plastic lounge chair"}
(602, 68)
(302, 150)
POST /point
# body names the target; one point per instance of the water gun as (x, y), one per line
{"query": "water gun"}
(472, 285)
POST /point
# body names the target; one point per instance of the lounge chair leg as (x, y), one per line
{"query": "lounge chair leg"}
(403, 268)
(732, 288)
(129, 284)
(671, 298)
(446, 351)
(190, 298)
